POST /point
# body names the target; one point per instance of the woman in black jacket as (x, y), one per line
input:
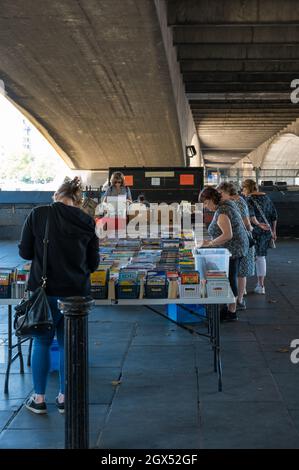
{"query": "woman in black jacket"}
(73, 253)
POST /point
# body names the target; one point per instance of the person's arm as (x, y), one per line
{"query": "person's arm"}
(273, 220)
(104, 199)
(225, 226)
(93, 256)
(26, 245)
(129, 195)
(259, 224)
(247, 223)
(274, 235)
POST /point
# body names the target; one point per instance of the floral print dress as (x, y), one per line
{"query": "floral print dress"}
(262, 237)
(247, 263)
(239, 244)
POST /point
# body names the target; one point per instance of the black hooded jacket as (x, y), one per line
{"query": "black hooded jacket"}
(73, 249)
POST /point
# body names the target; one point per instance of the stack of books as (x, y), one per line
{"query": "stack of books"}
(99, 277)
(99, 283)
(156, 284)
(128, 277)
(171, 244)
(169, 261)
(155, 278)
(5, 283)
(151, 244)
(213, 274)
(186, 260)
(190, 277)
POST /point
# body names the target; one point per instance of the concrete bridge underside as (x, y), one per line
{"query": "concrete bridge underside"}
(93, 75)
(238, 60)
(101, 79)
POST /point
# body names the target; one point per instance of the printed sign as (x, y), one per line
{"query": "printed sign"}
(186, 180)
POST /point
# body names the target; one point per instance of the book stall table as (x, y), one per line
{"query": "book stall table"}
(213, 325)
(149, 272)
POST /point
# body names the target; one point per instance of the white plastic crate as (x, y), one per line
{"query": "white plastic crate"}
(211, 259)
(217, 288)
(188, 291)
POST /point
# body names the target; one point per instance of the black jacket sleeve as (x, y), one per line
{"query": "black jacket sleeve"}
(26, 245)
(93, 257)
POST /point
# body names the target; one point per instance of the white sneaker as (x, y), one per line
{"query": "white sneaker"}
(259, 290)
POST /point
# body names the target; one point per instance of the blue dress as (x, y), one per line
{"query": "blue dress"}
(239, 244)
(262, 237)
(247, 263)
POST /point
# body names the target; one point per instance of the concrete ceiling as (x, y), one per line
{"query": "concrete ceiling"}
(94, 76)
(238, 59)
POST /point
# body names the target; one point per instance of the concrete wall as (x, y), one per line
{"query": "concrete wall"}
(14, 208)
(12, 218)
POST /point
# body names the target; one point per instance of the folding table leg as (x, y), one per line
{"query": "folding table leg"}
(217, 346)
(9, 359)
(20, 354)
(29, 352)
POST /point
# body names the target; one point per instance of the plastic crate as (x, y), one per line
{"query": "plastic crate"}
(179, 313)
(5, 292)
(128, 274)
(156, 292)
(211, 259)
(127, 291)
(188, 291)
(217, 288)
(99, 292)
(18, 289)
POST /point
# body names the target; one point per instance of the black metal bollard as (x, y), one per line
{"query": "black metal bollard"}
(75, 310)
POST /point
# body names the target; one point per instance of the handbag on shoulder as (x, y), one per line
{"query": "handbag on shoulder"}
(272, 243)
(33, 316)
(251, 240)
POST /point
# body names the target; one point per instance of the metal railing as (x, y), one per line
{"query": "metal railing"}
(289, 176)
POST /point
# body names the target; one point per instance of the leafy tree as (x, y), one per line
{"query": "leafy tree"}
(27, 168)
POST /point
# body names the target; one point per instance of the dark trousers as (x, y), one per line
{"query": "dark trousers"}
(233, 274)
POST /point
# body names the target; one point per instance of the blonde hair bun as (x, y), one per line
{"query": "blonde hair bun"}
(71, 188)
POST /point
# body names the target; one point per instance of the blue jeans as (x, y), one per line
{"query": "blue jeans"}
(41, 351)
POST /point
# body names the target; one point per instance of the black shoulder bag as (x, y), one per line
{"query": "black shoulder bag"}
(33, 317)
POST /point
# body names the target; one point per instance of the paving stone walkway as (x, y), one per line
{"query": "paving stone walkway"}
(152, 384)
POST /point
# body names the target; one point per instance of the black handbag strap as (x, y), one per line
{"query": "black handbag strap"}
(45, 251)
(262, 214)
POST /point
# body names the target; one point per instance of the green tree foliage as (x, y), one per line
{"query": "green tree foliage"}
(27, 168)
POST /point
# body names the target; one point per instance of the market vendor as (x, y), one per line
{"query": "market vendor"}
(117, 187)
(115, 201)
